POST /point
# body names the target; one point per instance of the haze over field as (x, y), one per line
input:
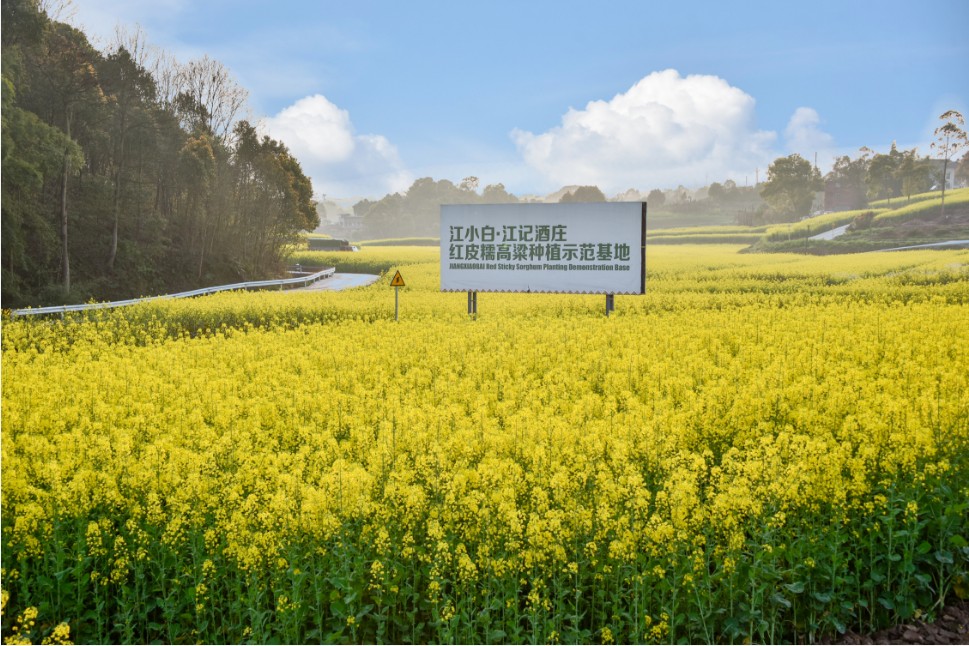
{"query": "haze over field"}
(373, 95)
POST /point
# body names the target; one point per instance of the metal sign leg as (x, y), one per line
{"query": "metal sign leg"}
(473, 304)
(610, 303)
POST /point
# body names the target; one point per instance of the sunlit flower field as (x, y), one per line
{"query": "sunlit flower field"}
(763, 448)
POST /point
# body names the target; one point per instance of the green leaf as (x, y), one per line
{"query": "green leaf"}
(780, 600)
(923, 548)
(944, 557)
(795, 588)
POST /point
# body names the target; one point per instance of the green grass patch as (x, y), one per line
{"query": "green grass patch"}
(401, 242)
(704, 238)
(813, 226)
(924, 208)
(894, 202)
(706, 230)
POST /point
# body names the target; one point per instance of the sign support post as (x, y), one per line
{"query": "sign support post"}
(397, 283)
(610, 303)
(473, 304)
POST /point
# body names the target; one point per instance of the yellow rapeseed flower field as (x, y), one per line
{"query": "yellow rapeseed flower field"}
(761, 448)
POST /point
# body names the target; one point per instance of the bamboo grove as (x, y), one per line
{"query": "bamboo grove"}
(128, 173)
(763, 448)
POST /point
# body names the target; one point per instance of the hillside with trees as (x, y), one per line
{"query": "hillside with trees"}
(126, 172)
(416, 212)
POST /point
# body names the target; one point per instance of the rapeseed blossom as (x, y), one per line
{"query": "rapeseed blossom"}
(299, 467)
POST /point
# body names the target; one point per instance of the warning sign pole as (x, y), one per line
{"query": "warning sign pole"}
(397, 283)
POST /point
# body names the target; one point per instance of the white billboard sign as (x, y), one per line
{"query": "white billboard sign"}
(577, 248)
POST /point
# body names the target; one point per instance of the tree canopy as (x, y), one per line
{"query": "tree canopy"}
(584, 194)
(790, 187)
(417, 211)
(125, 175)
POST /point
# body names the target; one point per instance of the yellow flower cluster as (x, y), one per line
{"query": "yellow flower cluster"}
(539, 436)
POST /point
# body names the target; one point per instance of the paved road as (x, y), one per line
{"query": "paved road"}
(831, 234)
(949, 244)
(339, 282)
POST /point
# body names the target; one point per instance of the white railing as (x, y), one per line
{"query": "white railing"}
(299, 281)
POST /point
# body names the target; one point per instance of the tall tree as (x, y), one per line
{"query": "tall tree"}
(496, 194)
(273, 200)
(883, 178)
(584, 194)
(33, 155)
(845, 186)
(470, 183)
(656, 198)
(716, 192)
(790, 187)
(130, 91)
(914, 173)
(950, 140)
(213, 96)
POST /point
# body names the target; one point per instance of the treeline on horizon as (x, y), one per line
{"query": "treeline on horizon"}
(788, 194)
(415, 212)
(127, 173)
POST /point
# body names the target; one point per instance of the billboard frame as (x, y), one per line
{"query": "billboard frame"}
(446, 247)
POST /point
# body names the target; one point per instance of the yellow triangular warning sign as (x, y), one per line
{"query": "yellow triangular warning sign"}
(398, 280)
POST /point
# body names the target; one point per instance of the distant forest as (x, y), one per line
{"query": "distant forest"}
(415, 212)
(792, 189)
(127, 173)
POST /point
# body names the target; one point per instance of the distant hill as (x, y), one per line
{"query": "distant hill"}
(917, 221)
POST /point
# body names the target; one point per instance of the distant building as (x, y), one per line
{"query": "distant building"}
(351, 223)
(936, 167)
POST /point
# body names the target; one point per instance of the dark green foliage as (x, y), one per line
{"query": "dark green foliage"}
(112, 189)
(584, 194)
(417, 212)
(790, 188)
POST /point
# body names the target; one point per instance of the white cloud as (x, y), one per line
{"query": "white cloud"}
(338, 161)
(666, 130)
(804, 136)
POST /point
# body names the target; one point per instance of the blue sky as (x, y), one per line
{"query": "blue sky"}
(372, 94)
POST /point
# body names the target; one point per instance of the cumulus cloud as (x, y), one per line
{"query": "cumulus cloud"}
(666, 130)
(339, 161)
(804, 136)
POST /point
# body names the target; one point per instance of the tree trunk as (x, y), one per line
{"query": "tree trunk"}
(945, 169)
(65, 256)
(116, 207)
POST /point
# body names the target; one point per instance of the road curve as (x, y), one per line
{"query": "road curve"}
(339, 282)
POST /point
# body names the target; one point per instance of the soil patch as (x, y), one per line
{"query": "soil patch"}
(951, 627)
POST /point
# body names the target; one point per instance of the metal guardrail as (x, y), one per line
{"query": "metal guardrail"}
(300, 281)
